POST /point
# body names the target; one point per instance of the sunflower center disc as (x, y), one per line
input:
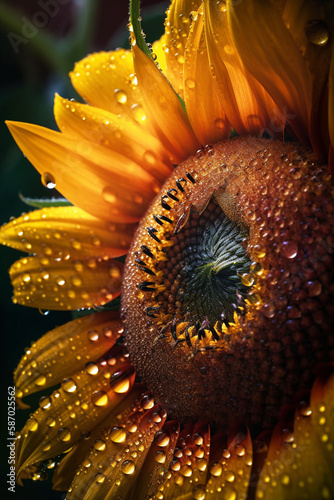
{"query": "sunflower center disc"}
(225, 299)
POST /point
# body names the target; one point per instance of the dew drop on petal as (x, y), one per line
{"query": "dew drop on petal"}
(93, 335)
(45, 403)
(118, 435)
(32, 424)
(100, 478)
(216, 469)
(160, 457)
(138, 113)
(64, 434)
(120, 96)
(128, 467)
(48, 180)
(317, 32)
(108, 195)
(99, 445)
(69, 385)
(92, 368)
(41, 380)
(100, 398)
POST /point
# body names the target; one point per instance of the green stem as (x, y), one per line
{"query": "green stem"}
(135, 21)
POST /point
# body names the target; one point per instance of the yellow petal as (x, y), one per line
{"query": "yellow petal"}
(302, 465)
(177, 27)
(66, 349)
(311, 24)
(108, 186)
(117, 133)
(230, 468)
(205, 112)
(116, 467)
(271, 55)
(188, 471)
(163, 108)
(60, 284)
(159, 48)
(66, 232)
(155, 467)
(248, 107)
(107, 80)
(75, 409)
(64, 472)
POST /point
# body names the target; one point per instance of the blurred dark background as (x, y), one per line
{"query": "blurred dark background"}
(40, 42)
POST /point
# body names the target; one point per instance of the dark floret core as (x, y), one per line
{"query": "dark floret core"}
(228, 294)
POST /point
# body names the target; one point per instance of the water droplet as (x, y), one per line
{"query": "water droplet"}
(128, 467)
(45, 403)
(217, 469)
(48, 180)
(86, 463)
(317, 32)
(64, 434)
(107, 332)
(76, 280)
(92, 368)
(240, 450)
(186, 471)
(32, 424)
(190, 83)
(325, 493)
(100, 398)
(149, 157)
(289, 249)
(26, 277)
(246, 279)
(93, 335)
(69, 385)
(160, 457)
(50, 422)
(108, 195)
(138, 113)
(230, 477)
(41, 380)
(118, 435)
(219, 123)
(162, 438)
(120, 96)
(120, 382)
(100, 478)
(314, 288)
(60, 280)
(147, 402)
(285, 479)
(43, 312)
(99, 445)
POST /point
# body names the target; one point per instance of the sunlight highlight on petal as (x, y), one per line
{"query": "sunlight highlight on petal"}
(205, 112)
(177, 26)
(87, 176)
(163, 108)
(287, 79)
(117, 133)
(247, 105)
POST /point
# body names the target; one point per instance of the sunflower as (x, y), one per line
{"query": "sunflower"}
(212, 376)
